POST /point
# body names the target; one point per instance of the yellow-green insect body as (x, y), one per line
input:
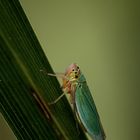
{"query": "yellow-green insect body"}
(74, 83)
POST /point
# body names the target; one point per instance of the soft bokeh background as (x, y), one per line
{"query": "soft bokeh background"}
(103, 37)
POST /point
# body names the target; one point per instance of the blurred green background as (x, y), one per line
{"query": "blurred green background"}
(103, 37)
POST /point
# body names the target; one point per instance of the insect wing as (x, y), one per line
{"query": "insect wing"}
(87, 111)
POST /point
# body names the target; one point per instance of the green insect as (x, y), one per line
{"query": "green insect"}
(74, 83)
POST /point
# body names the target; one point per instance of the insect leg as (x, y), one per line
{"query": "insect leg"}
(60, 75)
(56, 100)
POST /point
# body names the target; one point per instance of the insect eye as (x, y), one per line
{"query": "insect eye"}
(76, 76)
